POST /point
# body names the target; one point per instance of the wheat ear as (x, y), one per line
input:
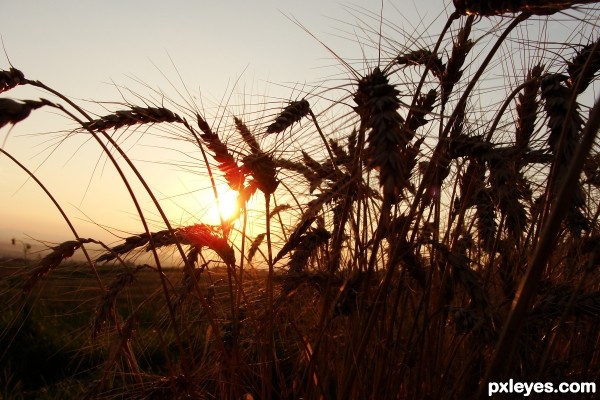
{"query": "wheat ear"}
(227, 164)
(453, 69)
(307, 244)
(377, 106)
(12, 111)
(199, 235)
(490, 8)
(134, 116)
(292, 113)
(247, 136)
(564, 123)
(527, 109)
(423, 107)
(11, 79)
(59, 253)
(580, 75)
(422, 57)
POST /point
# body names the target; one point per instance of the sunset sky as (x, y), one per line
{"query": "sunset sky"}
(85, 49)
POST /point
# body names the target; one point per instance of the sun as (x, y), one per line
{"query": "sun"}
(227, 208)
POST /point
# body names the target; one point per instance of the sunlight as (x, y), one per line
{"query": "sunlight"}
(227, 208)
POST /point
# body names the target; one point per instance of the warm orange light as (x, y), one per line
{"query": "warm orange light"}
(227, 208)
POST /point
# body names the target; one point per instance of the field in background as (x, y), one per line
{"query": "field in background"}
(46, 341)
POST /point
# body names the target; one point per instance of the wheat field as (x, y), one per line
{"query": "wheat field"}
(419, 225)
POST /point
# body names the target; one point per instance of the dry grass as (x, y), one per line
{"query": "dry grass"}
(354, 274)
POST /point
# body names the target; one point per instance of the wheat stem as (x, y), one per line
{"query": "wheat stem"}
(527, 288)
(60, 210)
(132, 195)
(397, 251)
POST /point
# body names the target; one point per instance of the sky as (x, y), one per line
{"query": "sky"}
(242, 58)
(108, 51)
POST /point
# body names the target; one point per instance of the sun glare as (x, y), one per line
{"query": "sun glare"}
(227, 208)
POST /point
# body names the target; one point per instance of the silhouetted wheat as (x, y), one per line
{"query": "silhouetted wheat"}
(255, 244)
(424, 106)
(491, 7)
(292, 113)
(247, 135)
(52, 260)
(375, 279)
(227, 164)
(452, 70)
(105, 309)
(377, 104)
(565, 125)
(583, 67)
(307, 244)
(425, 58)
(12, 112)
(198, 235)
(10, 79)
(133, 116)
(527, 109)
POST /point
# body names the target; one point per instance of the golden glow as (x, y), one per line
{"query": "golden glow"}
(227, 207)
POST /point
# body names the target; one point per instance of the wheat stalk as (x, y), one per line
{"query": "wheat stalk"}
(313, 179)
(377, 104)
(262, 168)
(494, 7)
(259, 164)
(198, 235)
(308, 217)
(341, 157)
(486, 219)
(307, 244)
(247, 136)
(106, 306)
(557, 96)
(592, 170)
(452, 71)
(121, 342)
(255, 245)
(292, 113)
(466, 276)
(134, 116)
(11, 79)
(227, 164)
(538, 262)
(12, 111)
(48, 263)
(509, 189)
(131, 243)
(279, 209)
(423, 107)
(527, 109)
(565, 124)
(580, 75)
(321, 170)
(422, 57)
(188, 283)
